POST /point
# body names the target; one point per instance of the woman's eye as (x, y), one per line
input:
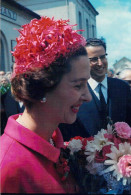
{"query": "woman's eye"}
(80, 86)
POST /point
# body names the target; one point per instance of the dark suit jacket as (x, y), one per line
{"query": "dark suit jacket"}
(10, 107)
(88, 120)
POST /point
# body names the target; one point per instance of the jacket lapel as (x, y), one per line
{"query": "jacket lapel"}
(109, 95)
(95, 99)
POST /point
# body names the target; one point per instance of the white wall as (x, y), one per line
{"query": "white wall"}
(65, 9)
(48, 8)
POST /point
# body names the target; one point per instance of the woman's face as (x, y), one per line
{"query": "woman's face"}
(64, 102)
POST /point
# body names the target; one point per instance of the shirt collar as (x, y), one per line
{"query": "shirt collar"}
(104, 82)
(93, 83)
(34, 141)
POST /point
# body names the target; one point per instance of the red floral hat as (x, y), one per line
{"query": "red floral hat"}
(42, 41)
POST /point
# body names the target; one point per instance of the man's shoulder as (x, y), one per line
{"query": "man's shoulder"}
(116, 81)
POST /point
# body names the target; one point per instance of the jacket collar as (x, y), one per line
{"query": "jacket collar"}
(33, 141)
(93, 83)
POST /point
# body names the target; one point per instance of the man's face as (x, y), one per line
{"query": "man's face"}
(4, 82)
(98, 65)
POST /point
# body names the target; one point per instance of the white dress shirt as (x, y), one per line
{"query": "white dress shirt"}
(94, 85)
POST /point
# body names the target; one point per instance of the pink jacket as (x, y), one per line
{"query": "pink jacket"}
(27, 162)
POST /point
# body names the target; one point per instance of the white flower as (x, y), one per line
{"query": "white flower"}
(124, 148)
(109, 129)
(75, 145)
(100, 140)
(96, 145)
(90, 151)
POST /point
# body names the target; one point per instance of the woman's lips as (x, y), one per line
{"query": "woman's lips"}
(75, 108)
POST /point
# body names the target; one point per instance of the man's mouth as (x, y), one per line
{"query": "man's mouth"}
(99, 68)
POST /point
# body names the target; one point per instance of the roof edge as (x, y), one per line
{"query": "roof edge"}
(92, 7)
(19, 6)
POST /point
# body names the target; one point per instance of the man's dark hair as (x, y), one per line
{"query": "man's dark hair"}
(95, 42)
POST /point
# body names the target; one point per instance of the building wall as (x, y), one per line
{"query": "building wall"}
(66, 9)
(11, 19)
(48, 8)
(87, 15)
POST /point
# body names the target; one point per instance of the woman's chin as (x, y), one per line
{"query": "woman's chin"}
(71, 120)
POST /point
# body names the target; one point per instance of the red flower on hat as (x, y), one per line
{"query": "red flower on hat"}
(42, 41)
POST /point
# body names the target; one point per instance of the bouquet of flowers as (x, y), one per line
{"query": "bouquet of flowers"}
(106, 158)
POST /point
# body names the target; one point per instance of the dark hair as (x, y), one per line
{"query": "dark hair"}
(95, 42)
(32, 86)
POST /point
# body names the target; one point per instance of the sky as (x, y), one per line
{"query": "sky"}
(114, 24)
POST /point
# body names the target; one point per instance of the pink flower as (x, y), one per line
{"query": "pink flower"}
(66, 144)
(101, 156)
(117, 141)
(77, 138)
(85, 140)
(123, 130)
(124, 165)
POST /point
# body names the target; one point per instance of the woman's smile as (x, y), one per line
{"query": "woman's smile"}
(75, 108)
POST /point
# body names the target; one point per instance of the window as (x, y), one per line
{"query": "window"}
(87, 28)
(80, 22)
(2, 56)
(4, 53)
(13, 44)
(93, 31)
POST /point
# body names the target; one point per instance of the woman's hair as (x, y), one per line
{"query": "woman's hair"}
(32, 86)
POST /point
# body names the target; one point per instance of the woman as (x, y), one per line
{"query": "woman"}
(50, 77)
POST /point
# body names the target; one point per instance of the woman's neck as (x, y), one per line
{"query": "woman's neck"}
(39, 123)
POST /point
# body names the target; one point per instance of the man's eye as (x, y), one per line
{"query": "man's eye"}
(94, 59)
(102, 57)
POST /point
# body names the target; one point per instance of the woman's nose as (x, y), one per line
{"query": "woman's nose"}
(86, 96)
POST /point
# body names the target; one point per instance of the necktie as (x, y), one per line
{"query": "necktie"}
(103, 106)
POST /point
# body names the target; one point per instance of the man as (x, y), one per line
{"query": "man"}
(109, 99)
(2, 73)
(126, 75)
(9, 106)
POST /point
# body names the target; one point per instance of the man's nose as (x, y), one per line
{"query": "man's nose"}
(99, 61)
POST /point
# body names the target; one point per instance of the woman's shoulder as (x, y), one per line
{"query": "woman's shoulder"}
(11, 151)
